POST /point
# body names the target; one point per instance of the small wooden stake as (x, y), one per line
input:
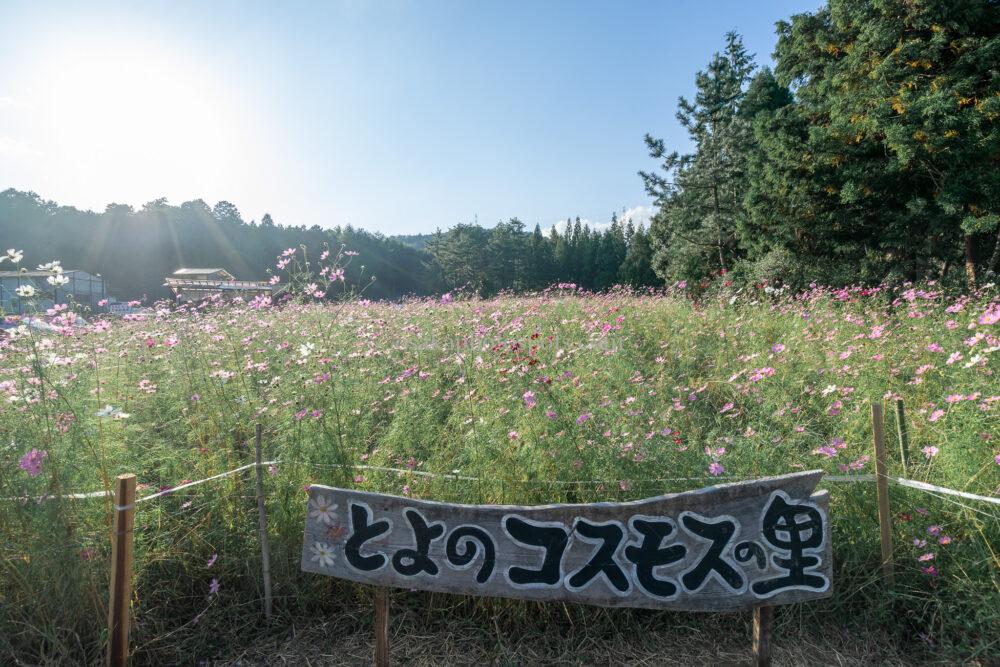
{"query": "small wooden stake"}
(121, 571)
(763, 624)
(265, 551)
(882, 487)
(904, 437)
(381, 627)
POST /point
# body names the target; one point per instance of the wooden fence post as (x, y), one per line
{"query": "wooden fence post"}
(265, 551)
(381, 627)
(882, 488)
(904, 437)
(120, 595)
(763, 623)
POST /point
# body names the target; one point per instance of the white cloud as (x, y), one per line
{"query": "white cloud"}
(13, 147)
(11, 103)
(639, 215)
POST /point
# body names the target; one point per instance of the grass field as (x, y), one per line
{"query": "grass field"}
(612, 394)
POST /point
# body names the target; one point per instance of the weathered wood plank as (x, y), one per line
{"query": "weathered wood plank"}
(723, 547)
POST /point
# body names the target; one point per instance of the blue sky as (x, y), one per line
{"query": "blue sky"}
(393, 116)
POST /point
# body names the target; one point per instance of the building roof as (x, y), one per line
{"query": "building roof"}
(37, 274)
(215, 285)
(198, 272)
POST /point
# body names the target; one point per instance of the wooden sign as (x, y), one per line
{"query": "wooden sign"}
(727, 547)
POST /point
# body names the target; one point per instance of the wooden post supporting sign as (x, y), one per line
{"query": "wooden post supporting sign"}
(763, 623)
(882, 488)
(121, 571)
(381, 626)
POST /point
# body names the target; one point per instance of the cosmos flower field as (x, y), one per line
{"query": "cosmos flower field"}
(554, 397)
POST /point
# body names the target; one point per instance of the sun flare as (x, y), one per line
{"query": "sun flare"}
(146, 118)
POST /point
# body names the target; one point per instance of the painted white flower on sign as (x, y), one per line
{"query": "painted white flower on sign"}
(322, 554)
(321, 509)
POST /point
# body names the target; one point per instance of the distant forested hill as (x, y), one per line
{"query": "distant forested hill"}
(135, 249)
(418, 241)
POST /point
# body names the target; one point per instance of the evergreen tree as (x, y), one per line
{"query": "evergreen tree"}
(886, 164)
(700, 195)
(637, 269)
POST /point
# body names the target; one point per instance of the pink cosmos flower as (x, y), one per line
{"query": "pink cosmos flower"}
(583, 418)
(930, 451)
(992, 314)
(529, 399)
(726, 408)
(211, 561)
(31, 462)
(936, 415)
(715, 468)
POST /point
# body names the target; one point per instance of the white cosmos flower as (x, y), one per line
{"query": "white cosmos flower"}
(25, 291)
(14, 255)
(974, 361)
(57, 279)
(54, 267)
(322, 554)
(321, 509)
(113, 412)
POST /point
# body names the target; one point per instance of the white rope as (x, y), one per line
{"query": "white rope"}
(836, 479)
(924, 486)
(172, 489)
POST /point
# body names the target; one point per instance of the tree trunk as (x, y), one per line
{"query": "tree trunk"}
(718, 226)
(970, 263)
(995, 259)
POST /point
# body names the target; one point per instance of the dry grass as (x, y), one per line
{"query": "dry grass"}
(417, 638)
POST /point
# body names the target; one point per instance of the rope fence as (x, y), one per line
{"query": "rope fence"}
(455, 476)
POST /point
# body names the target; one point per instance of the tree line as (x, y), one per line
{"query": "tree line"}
(135, 249)
(871, 151)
